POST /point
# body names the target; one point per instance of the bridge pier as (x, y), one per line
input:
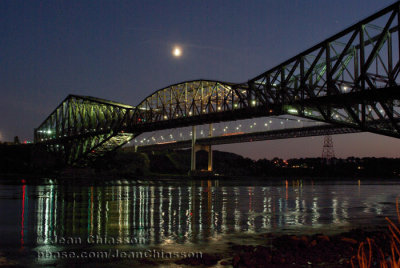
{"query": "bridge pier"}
(193, 158)
(210, 159)
(198, 147)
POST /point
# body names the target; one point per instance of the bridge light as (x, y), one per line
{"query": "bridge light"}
(165, 117)
(219, 108)
(270, 121)
(253, 102)
(235, 105)
(190, 113)
(271, 110)
(292, 111)
(266, 124)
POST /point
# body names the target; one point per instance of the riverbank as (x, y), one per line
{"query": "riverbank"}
(316, 250)
(300, 250)
(215, 180)
(257, 250)
(28, 160)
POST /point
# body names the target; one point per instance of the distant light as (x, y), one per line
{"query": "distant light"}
(177, 52)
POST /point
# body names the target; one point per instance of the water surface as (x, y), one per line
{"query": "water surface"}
(180, 214)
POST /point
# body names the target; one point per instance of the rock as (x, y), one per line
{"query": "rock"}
(313, 243)
(349, 240)
(235, 260)
(206, 259)
(323, 238)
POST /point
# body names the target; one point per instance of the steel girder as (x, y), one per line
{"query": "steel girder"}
(191, 103)
(82, 128)
(350, 80)
(254, 136)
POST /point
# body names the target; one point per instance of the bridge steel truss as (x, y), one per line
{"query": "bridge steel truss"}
(82, 128)
(350, 80)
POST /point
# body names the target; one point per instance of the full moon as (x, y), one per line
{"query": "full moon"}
(177, 52)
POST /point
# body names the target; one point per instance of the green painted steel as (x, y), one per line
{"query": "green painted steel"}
(350, 80)
(82, 128)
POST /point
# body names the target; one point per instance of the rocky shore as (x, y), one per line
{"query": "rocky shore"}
(316, 250)
(270, 250)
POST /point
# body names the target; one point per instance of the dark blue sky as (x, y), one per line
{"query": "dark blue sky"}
(121, 50)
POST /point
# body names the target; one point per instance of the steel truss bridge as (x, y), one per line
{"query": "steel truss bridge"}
(349, 83)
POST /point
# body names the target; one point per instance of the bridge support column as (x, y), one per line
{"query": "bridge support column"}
(193, 158)
(209, 168)
(196, 147)
(210, 158)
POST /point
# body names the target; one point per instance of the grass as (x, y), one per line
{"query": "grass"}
(368, 251)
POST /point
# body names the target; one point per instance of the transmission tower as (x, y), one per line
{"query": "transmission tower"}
(327, 151)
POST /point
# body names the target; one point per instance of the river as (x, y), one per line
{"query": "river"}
(179, 214)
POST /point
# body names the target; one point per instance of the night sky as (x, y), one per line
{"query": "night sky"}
(121, 50)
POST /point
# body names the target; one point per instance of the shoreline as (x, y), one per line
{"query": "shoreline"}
(269, 249)
(104, 178)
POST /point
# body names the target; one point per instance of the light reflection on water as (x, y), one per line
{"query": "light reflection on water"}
(186, 212)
